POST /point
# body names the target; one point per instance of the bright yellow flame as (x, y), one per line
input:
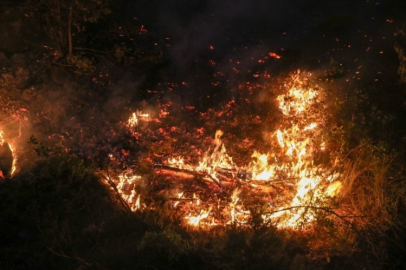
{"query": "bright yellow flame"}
(297, 145)
(279, 135)
(1, 137)
(126, 186)
(13, 166)
(13, 153)
(135, 117)
(133, 121)
(334, 189)
(176, 162)
(234, 200)
(195, 220)
(292, 157)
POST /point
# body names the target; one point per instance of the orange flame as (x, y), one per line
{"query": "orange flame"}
(292, 157)
(13, 153)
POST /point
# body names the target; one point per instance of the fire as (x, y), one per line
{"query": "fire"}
(290, 162)
(297, 143)
(134, 119)
(195, 220)
(260, 168)
(14, 165)
(217, 157)
(176, 162)
(126, 184)
(7, 154)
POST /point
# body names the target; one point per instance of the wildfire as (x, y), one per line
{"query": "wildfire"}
(289, 162)
(298, 142)
(217, 157)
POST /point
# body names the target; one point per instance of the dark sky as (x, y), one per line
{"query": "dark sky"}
(312, 26)
(208, 37)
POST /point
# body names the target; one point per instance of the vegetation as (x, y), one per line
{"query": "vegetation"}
(60, 213)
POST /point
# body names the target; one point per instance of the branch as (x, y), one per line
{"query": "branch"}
(124, 203)
(113, 185)
(325, 209)
(193, 173)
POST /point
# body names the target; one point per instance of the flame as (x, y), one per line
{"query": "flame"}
(134, 120)
(297, 144)
(126, 186)
(260, 168)
(216, 158)
(13, 153)
(180, 196)
(176, 162)
(195, 220)
(14, 165)
(234, 200)
(291, 158)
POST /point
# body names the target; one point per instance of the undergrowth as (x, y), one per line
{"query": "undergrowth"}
(61, 216)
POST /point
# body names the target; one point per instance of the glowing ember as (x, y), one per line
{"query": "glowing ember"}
(274, 55)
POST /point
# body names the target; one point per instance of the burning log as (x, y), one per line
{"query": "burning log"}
(195, 175)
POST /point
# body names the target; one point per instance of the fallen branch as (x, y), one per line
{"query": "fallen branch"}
(195, 174)
(325, 209)
(124, 203)
(113, 185)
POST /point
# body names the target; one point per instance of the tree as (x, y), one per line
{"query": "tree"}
(65, 21)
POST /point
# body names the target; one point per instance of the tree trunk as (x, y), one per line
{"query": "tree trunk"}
(70, 31)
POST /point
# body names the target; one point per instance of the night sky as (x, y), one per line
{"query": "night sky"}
(203, 38)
